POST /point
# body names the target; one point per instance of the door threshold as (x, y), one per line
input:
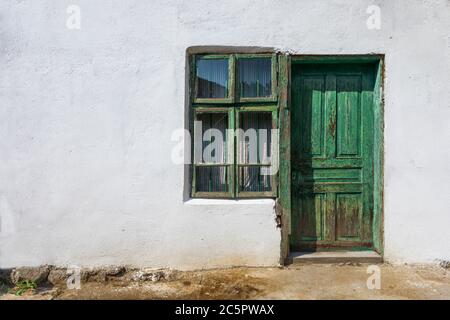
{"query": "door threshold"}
(367, 256)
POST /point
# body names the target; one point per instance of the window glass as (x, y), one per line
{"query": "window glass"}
(211, 151)
(255, 149)
(253, 179)
(212, 179)
(255, 137)
(212, 78)
(211, 138)
(255, 77)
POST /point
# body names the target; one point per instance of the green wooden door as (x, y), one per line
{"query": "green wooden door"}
(332, 156)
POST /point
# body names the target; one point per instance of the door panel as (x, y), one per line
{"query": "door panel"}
(312, 144)
(348, 114)
(332, 156)
(311, 211)
(348, 216)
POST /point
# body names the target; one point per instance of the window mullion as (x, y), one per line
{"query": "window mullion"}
(232, 78)
(233, 152)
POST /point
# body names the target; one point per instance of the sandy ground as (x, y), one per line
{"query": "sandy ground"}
(294, 282)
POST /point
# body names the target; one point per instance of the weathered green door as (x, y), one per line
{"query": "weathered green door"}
(332, 156)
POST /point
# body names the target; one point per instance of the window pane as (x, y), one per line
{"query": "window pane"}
(211, 179)
(252, 179)
(255, 77)
(212, 78)
(255, 140)
(211, 141)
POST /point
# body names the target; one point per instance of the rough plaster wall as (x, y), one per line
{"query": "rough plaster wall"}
(86, 118)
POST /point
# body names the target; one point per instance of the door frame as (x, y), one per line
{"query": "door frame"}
(284, 72)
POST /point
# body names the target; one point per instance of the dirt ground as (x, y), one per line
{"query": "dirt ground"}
(295, 282)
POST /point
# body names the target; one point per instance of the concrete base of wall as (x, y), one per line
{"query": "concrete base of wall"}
(335, 257)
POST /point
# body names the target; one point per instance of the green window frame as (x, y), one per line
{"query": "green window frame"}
(235, 108)
(273, 96)
(272, 112)
(227, 162)
(230, 83)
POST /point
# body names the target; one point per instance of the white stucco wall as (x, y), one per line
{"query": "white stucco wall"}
(86, 118)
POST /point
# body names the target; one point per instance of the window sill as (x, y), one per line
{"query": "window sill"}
(208, 202)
